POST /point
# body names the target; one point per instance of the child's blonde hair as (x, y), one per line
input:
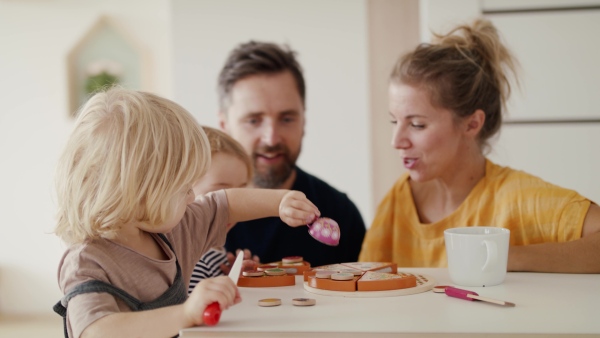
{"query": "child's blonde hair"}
(220, 142)
(129, 158)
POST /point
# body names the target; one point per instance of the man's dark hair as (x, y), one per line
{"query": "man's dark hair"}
(255, 58)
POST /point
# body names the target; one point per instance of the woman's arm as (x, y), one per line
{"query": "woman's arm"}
(579, 256)
(291, 206)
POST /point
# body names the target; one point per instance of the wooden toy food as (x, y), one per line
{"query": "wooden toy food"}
(275, 274)
(325, 230)
(293, 265)
(364, 279)
(264, 280)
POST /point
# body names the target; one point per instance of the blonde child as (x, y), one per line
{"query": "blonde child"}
(230, 167)
(127, 211)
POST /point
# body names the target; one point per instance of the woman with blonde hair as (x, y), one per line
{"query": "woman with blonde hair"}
(446, 100)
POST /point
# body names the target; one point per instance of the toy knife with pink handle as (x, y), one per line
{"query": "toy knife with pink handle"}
(325, 230)
(212, 313)
(469, 295)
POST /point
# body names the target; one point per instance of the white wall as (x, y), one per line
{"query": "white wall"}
(559, 53)
(331, 39)
(439, 16)
(35, 37)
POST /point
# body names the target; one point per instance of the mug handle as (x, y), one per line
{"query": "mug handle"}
(492, 255)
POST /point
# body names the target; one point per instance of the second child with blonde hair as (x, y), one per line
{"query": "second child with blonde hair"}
(230, 167)
(128, 212)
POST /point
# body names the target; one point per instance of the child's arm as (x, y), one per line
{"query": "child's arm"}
(167, 321)
(291, 206)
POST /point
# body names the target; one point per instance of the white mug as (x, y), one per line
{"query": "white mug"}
(477, 256)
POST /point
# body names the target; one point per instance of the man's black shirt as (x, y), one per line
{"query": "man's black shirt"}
(271, 239)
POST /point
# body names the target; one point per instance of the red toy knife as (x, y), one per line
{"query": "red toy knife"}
(212, 313)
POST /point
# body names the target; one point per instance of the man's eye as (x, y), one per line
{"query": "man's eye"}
(417, 126)
(393, 122)
(288, 119)
(252, 121)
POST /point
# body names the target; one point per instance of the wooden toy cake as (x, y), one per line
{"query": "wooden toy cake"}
(371, 279)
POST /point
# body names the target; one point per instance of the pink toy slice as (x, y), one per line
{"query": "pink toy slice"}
(325, 230)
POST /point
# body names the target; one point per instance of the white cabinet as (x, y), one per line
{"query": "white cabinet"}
(559, 52)
(557, 43)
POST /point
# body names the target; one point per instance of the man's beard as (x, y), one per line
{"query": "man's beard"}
(273, 177)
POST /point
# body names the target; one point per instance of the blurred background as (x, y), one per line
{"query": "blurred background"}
(49, 49)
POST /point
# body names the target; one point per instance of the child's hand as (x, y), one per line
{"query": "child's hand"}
(250, 261)
(249, 265)
(295, 209)
(219, 289)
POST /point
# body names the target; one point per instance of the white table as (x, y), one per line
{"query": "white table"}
(565, 305)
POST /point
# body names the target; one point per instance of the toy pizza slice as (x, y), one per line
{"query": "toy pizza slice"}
(381, 281)
(373, 266)
(331, 267)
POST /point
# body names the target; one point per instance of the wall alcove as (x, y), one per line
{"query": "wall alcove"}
(104, 55)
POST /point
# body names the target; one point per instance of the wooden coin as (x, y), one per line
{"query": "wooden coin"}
(267, 302)
(292, 259)
(304, 301)
(265, 267)
(253, 273)
(291, 271)
(324, 274)
(275, 272)
(352, 271)
(342, 276)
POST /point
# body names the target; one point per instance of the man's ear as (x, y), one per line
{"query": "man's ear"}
(222, 121)
(475, 122)
(304, 126)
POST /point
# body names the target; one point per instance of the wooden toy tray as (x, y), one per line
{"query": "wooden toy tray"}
(291, 269)
(266, 281)
(424, 283)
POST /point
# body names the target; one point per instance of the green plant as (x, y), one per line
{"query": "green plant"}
(100, 81)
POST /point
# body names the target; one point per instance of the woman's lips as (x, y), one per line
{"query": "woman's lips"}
(409, 163)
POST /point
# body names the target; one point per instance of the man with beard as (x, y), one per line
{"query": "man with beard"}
(262, 100)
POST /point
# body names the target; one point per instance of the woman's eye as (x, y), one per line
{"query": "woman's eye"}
(417, 126)
(393, 122)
